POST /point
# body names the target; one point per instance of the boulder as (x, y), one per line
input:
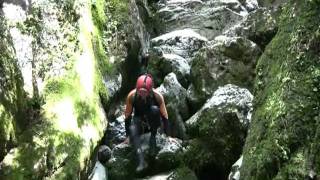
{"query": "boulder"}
(219, 130)
(182, 42)
(176, 103)
(163, 64)
(172, 52)
(123, 160)
(250, 5)
(260, 26)
(115, 132)
(230, 100)
(208, 18)
(224, 60)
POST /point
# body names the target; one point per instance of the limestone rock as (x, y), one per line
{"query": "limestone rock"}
(176, 103)
(224, 60)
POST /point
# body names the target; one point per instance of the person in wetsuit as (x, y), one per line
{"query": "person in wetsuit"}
(149, 110)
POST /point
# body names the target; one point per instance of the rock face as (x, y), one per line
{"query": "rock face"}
(283, 141)
(58, 50)
(235, 170)
(218, 130)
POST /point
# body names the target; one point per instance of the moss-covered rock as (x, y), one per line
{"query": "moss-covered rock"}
(273, 3)
(183, 173)
(67, 53)
(219, 131)
(224, 60)
(283, 139)
(260, 26)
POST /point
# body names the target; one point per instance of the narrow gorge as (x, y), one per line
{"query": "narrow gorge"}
(240, 80)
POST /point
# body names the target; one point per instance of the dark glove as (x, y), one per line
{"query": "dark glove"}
(127, 123)
(165, 125)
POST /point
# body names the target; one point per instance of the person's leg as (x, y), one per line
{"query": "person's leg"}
(154, 122)
(135, 130)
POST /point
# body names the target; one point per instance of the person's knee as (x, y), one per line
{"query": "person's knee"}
(134, 126)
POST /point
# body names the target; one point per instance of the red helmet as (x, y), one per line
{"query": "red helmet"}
(144, 85)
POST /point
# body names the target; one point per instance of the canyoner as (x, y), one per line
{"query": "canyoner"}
(149, 110)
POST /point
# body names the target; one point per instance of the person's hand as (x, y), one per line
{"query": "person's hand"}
(126, 141)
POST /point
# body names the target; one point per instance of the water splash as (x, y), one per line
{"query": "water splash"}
(139, 27)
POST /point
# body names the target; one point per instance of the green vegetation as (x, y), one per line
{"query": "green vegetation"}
(12, 96)
(282, 143)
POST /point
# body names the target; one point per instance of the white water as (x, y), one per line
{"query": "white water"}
(98, 173)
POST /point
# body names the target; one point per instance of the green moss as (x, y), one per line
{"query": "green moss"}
(70, 121)
(51, 153)
(12, 95)
(183, 173)
(198, 155)
(98, 13)
(287, 100)
(7, 131)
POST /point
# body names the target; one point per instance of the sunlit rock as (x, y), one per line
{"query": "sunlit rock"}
(227, 99)
(208, 18)
(224, 60)
(219, 130)
(235, 170)
(181, 42)
(161, 65)
(260, 26)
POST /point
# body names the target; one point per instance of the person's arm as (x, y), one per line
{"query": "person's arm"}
(162, 104)
(163, 111)
(128, 111)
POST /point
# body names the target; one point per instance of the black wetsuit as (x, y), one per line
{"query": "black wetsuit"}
(146, 114)
(146, 118)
